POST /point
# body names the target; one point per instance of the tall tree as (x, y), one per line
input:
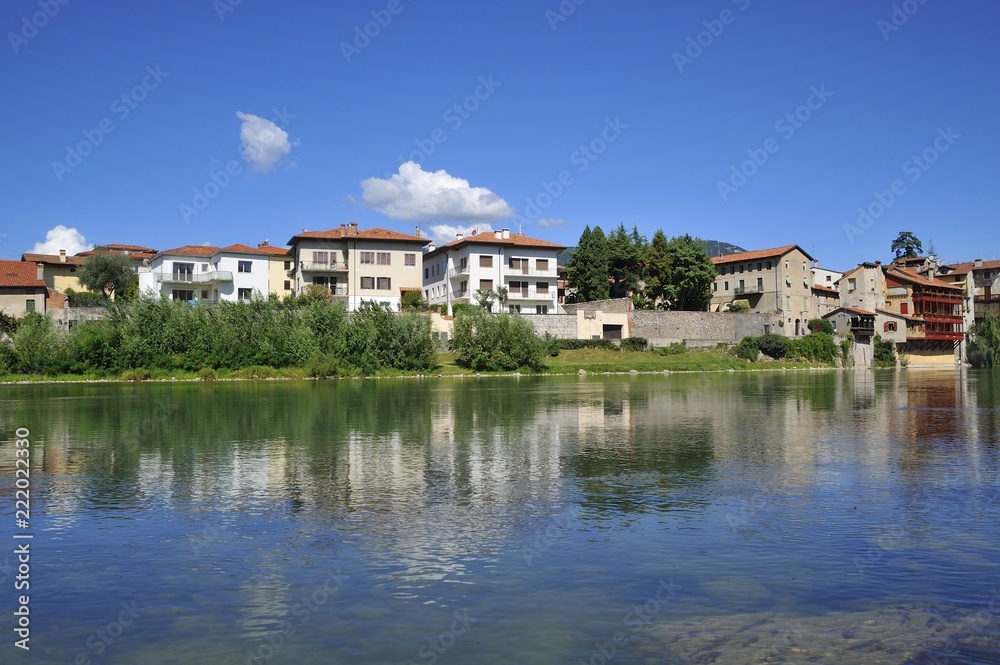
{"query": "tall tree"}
(658, 271)
(907, 246)
(588, 269)
(107, 272)
(693, 274)
(623, 261)
(984, 351)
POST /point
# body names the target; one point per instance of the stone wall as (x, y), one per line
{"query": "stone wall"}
(558, 325)
(700, 328)
(616, 306)
(70, 316)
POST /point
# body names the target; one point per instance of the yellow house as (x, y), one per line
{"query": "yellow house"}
(280, 269)
(58, 270)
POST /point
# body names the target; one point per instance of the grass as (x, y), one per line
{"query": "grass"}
(567, 362)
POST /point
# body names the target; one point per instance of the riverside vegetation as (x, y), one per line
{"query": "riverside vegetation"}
(155, 338)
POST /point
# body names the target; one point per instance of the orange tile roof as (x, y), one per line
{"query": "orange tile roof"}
(191, 250)
(858, 310)
(965, 268)
(908, 275)
(19, 274)
(274, 250)
(346, 233)
(240, 248)
(758, 254)
(817, 287)
(53, 259)
(54, 299)
(489, 238)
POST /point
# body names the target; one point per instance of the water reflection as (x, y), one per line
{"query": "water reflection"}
(545, 506)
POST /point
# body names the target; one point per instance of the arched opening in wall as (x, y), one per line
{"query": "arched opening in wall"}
(798, 327)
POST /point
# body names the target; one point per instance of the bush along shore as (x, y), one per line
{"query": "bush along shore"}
(150, 338)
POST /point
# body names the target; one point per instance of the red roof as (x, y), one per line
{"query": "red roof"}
(758, 254)
(489, 238)
(19, 274)
(817, 287)
(274, 250)
(191, 250)
(54, 299)
(50, 259)
(908, 275)
(965, 268)
(243, 249)
(345, 232)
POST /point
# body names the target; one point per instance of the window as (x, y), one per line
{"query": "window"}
(852, 284)
(182, 294)
(368, 258)
(384, 284)
(726, 286)
(768, 264)
(890, 326)
(542, 265)
(485, 261)
(367, 283)
(788, 302)
(715, 286)
(519, 289)
(321, 257)
(409, 260)
(760, 285)
(750, 267)
(519, 265)
(244, 294)
(758, 265)
(384, 258)
(288, 285)
(288, 265)
(322, 281)
(426, 273)
(805, 304)
(463, 287)
(904, 308)
(243, 266)
(804, 264)
(833, 322)
(486, 284)
(541, 309)
(29, 305)
(721, 270)
(183, 271)
(741, 268)
(542, 288)
(829, 278)
(204, 294)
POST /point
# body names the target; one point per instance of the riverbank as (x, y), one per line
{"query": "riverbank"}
(592, 361)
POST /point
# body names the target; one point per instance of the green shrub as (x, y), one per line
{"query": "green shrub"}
(206, 374)
(984, 351)
(846, 349)
(321, 366)
(572, 344)
(635, 344)
(739, 306)
(412, 300)
(674, 349)
(38, 347)
(747, 349)
(820, 326)
(140, 374)
(817, 347)
(884, 352)
(773, 346)
(496, 342)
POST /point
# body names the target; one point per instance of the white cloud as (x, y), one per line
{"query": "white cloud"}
(549, 223)
(417, 195)
(62, 238)
(264, 143)
(443, 233)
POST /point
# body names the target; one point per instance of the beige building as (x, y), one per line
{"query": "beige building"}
(982, 279)
(281, 269)
(358, 265)
(771, 280)
(58, 270)
(22, 288)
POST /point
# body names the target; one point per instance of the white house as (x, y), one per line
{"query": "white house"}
(200, 273)
(525, 266)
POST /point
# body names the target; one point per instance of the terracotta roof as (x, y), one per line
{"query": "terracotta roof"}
(852, 310)
(274, 250)
(489, 238)
(758, 254)
(54, 299)
(53, 259)
(191, 250)
(908, 275)
(965, 268)
(19, 274)
(817, 287)
(239, 248)
(346, 232)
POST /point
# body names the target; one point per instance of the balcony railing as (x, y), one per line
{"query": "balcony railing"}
(530, 294)
(460, 294)
(983, 304)
(514, 273)
(314, 266)
(459, 271)
(193, 277)
(740, 290)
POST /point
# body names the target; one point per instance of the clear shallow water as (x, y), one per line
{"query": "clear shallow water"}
(796, 517)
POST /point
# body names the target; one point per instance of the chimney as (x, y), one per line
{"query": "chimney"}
(418, 231)
(498, 235)
(40, 272)
(505, 234)
(352, 229)
(431, 247)
(62, 256)
(979, 263)
(458, 236)
(266, 243)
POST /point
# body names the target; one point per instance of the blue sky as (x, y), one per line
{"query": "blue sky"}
(760, 124)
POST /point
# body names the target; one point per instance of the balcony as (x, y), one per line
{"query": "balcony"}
(313, 266)
(740, 290)
(985, 304)
(530, 294)
(460, 271)
(193, 277)
(460, 294)
(514, 273)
